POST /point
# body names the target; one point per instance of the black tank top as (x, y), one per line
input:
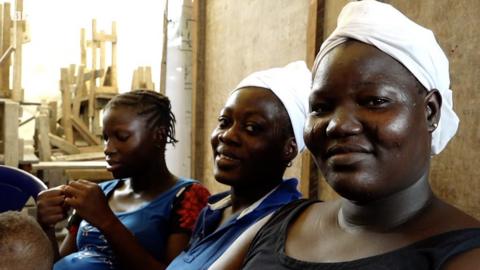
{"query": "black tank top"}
(267, 251)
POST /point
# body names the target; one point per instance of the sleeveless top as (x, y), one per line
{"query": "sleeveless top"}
(149, 223)
(209, 240)
(267, 250)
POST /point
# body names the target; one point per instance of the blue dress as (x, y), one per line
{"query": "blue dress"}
(149, 224)
(209, 241)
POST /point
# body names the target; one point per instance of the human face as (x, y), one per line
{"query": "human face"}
(367, 126)
(247, 143)
(129, 145)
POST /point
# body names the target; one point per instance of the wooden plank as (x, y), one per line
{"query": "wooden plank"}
(82, 156)
(90, 149)
(83, 48)
(198, 88)
(17, 91)
(163, 62)
(6, 43)
(10, 132)
(113, 77)
(148, 79)
(66, 105)
(95, 175)
(43, 165)
(84, 132)
(135, 80)
(102, 60)
(43, 142)
(79, 91)
(93, 84)
(62, 144)
(52, 116)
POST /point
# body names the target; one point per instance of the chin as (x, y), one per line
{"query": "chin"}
(354, 189)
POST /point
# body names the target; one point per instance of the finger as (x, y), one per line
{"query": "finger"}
(80, 184)
(51, 201)
(73, 191)
(73, 202)
(51, 192)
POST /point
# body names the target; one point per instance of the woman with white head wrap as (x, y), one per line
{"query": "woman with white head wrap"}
(379, 107)
(259, 133)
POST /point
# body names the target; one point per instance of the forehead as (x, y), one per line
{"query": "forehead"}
(355, 62)
(253, 100)
(121, 115)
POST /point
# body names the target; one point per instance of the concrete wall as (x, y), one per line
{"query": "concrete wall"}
(454, 175)
(242, 37)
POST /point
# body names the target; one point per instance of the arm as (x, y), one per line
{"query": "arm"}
(465, 261)
(233, 257)
(90, 203)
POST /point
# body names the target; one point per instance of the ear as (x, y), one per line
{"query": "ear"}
(433, 103)
(160, 137)
(290, 150)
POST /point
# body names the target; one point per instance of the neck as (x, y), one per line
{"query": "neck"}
(389, 212)
(153, 180)
(244, 197)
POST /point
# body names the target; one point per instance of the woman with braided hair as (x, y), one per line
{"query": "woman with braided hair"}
(144, 218)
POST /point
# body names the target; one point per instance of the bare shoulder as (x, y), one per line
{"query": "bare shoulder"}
(455, 219)
(465, 261)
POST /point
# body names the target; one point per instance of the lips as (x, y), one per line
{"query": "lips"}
(112, 165)
(346, 149)
(225, 158)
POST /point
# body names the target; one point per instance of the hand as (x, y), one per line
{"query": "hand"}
(90, 203)
(50, 206)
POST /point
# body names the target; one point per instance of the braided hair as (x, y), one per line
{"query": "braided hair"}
(154, 106)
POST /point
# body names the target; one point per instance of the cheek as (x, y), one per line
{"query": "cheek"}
(395, 133)
(214, 138)
(313, 134)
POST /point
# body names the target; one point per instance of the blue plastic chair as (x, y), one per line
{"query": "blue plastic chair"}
(16, 187)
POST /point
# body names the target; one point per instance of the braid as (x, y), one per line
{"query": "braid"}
(154, 106)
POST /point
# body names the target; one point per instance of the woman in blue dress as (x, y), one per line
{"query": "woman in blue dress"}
(259, 133)
(144, 218)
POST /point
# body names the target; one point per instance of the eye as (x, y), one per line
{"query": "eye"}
(376, 102)
(253, 128)
(122, 136)
(319, 108)
(223, 122)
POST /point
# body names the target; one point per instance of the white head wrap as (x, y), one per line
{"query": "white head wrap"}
(291, 84)
(386, 28)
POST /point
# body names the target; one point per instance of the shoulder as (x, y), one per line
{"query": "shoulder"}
(107, 186)
(465, 261)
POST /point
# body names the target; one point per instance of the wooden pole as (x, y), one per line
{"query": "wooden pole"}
(17, 91)
(6, 43)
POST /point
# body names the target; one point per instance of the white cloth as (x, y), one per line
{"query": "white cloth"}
(386, 28)
(291, 84)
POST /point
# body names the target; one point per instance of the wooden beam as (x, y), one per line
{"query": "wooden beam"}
(17, 91)
(84, 131)
(66, 105)
(62, 144)
(10, 132)
(6, 43)
(95, 175)
(43, 142)
(308, 183)
(198, 88)
(43, 165)
(82, 156)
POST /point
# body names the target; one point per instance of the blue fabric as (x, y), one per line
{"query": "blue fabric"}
(149, 224)
(209, 241)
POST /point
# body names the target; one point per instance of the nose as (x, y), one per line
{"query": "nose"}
(109, 148)
(343, 123)
(229, 135)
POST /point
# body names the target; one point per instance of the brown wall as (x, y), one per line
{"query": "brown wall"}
(242, 37)
(455, 174)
